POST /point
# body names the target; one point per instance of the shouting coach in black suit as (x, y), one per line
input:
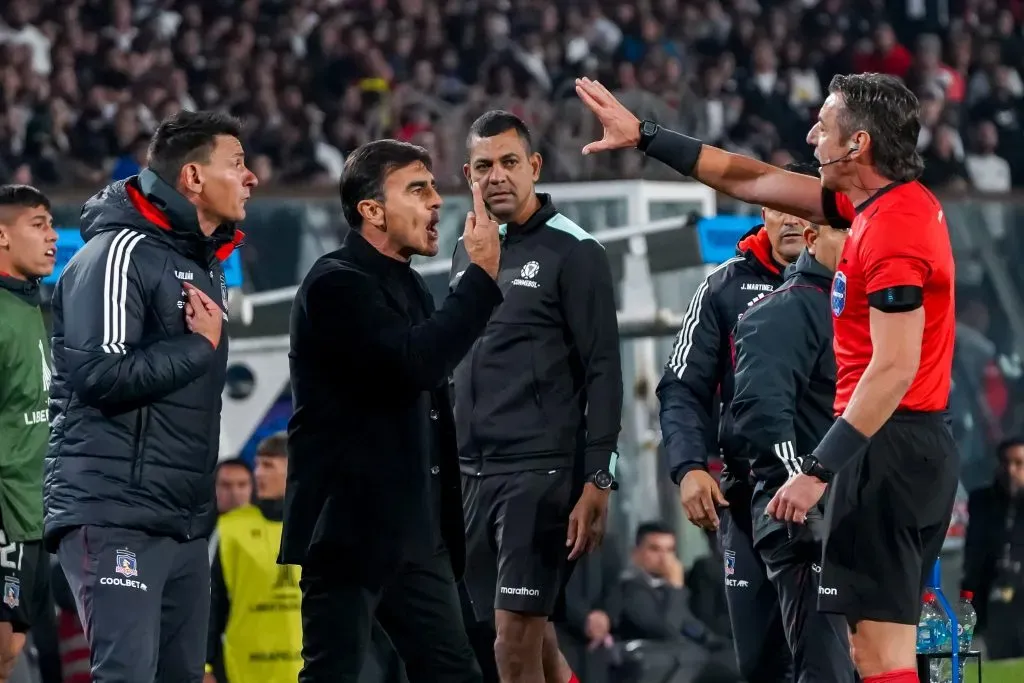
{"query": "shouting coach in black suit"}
(373, 509)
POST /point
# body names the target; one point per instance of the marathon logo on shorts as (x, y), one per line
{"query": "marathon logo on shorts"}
(12, 592)
(126, 564)
(822, 590)
(522, 590)
(838, 293)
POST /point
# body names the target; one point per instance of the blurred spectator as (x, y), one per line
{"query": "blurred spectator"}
(994, 555)
(81, 79)
(988, 171)
(255, 628)
(651, 602)
(584, 636)
(233, 484)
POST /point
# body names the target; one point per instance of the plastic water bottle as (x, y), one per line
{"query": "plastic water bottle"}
(966, 619)
(925, 635)
(934, 636)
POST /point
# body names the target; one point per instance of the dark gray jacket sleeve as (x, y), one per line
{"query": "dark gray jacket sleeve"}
(688, 388)
(775, 344)
(104, 300)
(348, 306)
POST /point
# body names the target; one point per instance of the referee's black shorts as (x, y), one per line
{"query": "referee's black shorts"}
(886, 519)
(516, 525)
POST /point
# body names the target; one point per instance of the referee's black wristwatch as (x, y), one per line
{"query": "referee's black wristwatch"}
(810, 466)
(603, 480)
(648, 129)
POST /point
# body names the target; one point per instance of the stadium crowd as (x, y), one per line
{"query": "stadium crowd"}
(83, 82)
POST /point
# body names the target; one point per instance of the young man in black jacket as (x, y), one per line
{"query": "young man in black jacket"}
(139, 367)
(538, 405)
(698, 375)
(785, 385)
(373, 506)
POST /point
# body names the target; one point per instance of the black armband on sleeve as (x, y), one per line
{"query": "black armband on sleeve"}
(897, 299)
(677, 151)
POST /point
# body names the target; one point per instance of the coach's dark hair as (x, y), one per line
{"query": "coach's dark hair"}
(187, 137)
(368, 167)
(646, 529)
(888, 111)
(497, 122)
(802, 168)
(275, 444)
(22, 197)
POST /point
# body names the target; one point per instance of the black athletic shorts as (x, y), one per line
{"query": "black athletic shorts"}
(886, 519)
(25, 581)
(516, 525)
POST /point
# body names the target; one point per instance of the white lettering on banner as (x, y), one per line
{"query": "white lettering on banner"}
(532, 592)
(127, 583)
(36, 417)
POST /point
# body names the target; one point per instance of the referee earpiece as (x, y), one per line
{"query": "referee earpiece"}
(854, 148)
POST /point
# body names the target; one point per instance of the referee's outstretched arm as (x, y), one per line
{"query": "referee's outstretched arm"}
(744, 178)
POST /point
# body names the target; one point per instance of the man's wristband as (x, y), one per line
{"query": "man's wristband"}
(679, 152)
(842, 443)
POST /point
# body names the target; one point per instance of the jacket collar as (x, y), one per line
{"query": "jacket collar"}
(806, 264)
(756, 247)
(166, 208)
(368, 256)
(26, 290)
(541, 216)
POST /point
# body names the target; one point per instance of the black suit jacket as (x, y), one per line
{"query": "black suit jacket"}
(369, 386)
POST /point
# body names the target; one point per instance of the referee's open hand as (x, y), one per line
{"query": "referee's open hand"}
(700, 495)
(620, 127)
(480, 235)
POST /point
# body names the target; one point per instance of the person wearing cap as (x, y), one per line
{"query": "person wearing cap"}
(255, 624)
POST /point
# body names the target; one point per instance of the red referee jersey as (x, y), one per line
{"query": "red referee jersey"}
(897, 238)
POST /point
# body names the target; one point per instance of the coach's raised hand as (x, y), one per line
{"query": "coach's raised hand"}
(621, 127)
(481, 235)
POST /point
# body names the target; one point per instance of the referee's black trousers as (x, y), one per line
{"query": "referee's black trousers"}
(418, 607)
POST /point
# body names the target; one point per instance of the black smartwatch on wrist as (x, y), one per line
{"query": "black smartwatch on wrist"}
(603, 480)
(810, 466)
(648, 129)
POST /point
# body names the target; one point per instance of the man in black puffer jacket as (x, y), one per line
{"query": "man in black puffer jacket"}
(139, 365)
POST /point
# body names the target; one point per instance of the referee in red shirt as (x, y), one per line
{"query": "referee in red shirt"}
(889, 458)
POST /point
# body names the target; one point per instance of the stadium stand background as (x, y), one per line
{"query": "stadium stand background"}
(84, 82)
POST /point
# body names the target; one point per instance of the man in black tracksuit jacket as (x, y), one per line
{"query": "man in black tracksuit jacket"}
(699, 375)
(538, 404)
(135, 402)
(784, 389)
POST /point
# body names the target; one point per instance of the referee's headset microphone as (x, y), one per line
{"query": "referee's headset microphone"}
(854, 148)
